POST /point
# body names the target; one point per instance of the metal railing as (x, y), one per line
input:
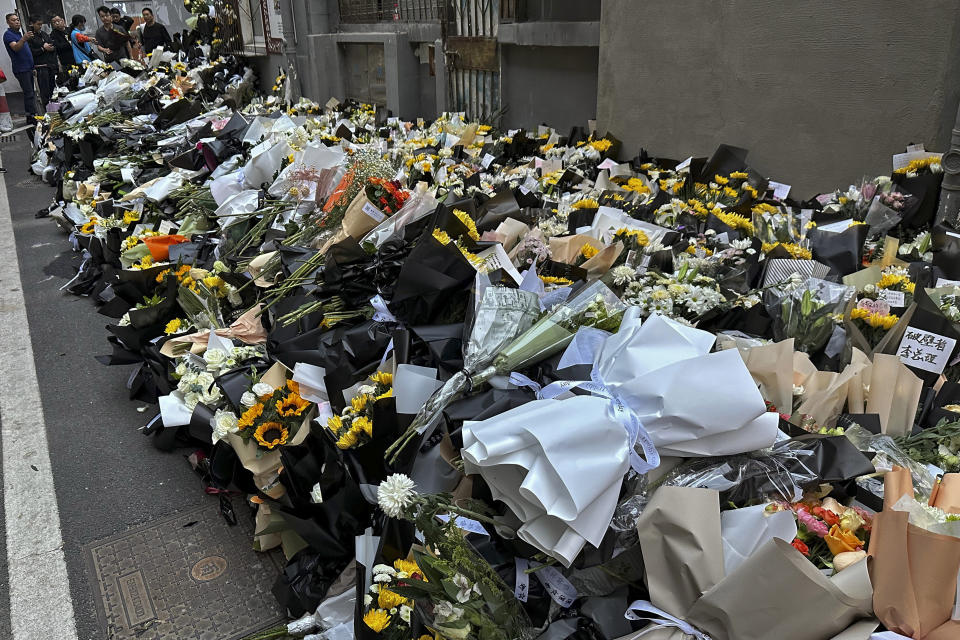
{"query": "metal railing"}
(372, 11)
(241, 27)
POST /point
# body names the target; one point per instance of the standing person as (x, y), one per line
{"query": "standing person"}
(154, 34)
(82, 51)
(121, 20)
(44, 60)
(22, 60)
(61, 42)
(112, 40)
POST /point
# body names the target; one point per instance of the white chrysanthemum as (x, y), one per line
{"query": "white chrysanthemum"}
(742, 244)
(396, 494)
(622, 274)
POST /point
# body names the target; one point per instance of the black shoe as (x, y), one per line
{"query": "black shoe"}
(43, 213)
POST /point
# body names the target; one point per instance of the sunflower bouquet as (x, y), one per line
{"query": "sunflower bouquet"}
(273, 415)
(354, 427)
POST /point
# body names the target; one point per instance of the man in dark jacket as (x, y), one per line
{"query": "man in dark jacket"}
(61, 42)
(44, 60)
(112, 40)
(154, 33)
(18, 48)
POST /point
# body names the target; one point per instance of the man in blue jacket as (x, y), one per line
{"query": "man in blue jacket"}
(22, 60)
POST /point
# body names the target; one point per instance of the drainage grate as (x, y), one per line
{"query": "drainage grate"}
(187, 576)
(10, 137)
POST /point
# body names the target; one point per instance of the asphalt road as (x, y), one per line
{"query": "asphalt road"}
(108, 477)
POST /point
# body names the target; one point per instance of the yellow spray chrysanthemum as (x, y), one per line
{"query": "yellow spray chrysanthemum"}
(468, 223)
(377, 619)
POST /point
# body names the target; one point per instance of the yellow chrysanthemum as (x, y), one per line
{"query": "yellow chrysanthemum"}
(734, 220)
(556, 280)
(377, 619)
(387, 599)
(441, 236)
(407, 566)
(386, 394)
(720, 179)
(918, 164)
(637, 185)
(130, 215)
(173, 326)
(731, 192)
(271, 434)
(750, 190)
(795, 250)
(601, 145)
(739, 175)
(468, 223)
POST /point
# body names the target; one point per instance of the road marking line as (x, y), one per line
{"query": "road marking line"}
(40, 603)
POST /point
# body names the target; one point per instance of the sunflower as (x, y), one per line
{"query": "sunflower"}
(173, 326)
(292, 405)
(468, 222)
(270, 434)
(382, 377)
(364, 424)
(347, 440)
(407, 566)
(251, 414)
(377, 619)
(293, 386)
(359, 403)
(334, 423)
(588, 251)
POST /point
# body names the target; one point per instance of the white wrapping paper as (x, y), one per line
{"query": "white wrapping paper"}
(557, 464)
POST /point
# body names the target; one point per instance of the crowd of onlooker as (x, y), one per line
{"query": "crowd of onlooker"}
(42, 58)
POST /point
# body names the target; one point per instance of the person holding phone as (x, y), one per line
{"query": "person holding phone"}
(18, 49)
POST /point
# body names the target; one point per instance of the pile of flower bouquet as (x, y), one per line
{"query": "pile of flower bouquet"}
(497, 384)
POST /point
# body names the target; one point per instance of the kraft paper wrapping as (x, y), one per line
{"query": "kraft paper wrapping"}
(599, 264)
(567, 249)
(256, 266)
(247, 329)
(896, 483)
(914, 573)
(356, 222)
(947, 494)
(680, 536)
(771, 366)
(826, 401)
(894, 394)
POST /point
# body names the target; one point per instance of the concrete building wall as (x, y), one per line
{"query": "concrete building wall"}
(548, 85)
(821, 94)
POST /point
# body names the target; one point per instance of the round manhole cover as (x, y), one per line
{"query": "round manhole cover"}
(209, 568)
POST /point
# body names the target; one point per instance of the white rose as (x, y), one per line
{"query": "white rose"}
(248, 399)
(215, 359)
(181, 369)
(204, 379)
(262, 389)
(211, 395)
(223, 422)
(191, 400)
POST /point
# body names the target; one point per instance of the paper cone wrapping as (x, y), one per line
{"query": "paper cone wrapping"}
(947, 496)
(894, 394)
(914, 574)
(567, 248)
(356, 222)
(775, 593)
(771, 366)
(826, 401)
(778, 593)
(599, 264)
(896, 483)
